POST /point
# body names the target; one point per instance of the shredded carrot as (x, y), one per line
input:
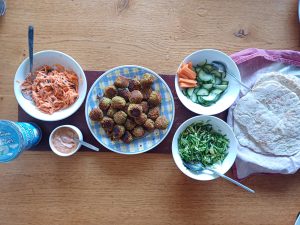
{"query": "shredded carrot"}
(188, 81)
(190, 65)
(52, 89)
(186, 71)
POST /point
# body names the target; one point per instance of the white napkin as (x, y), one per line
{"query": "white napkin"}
(249, 162)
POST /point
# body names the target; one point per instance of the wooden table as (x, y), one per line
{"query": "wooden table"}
(106, 188)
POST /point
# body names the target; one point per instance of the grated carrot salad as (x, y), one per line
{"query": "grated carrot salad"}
(52, 89)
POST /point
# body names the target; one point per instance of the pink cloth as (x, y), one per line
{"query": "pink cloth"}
(252, 64)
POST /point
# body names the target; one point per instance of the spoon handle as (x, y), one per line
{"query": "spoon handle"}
(233, 181)
(30, 46)
(241, 83)
(89, 146)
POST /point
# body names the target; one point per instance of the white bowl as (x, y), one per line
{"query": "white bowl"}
(219, 126)
(227, 98)
(77, 131)
(49, 57)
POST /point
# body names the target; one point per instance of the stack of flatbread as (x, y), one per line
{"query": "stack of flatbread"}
(267, 119)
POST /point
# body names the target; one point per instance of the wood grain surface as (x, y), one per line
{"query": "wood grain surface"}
(106, 188)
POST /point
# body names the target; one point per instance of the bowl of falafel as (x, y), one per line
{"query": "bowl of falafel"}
(130, 109)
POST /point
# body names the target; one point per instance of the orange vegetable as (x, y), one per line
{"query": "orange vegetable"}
(190, 65)
(186, 71)
(186, 85)
(182, 76)
(188, 81)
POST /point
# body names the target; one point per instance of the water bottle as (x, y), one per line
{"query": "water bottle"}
(2, 7)
(15, 137)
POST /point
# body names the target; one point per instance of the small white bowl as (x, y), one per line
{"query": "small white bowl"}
(49, 57)
(219, 126)
(77, 131)
(227, 98)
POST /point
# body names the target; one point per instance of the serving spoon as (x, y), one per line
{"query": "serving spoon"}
(197, 167)
(222, 68)
(30, 48)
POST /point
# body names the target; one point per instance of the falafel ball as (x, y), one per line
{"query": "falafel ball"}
(110, 112)
(141, 119)
(138, 131)
(127, 137)
(110, 91)
(120, 117)
(125, 109)
(96, 114)
(147, 80)
(118, 102)
(146, 93)
(161, 123)
(134, 84)
(121, 82)
(154, 113)
(118, 132)
(107, 124)
(145, 106)
(154, 98)
(130, 124)
(134, 110)
(149, 125)
(136, 97)
(124, 93)
(104, 103)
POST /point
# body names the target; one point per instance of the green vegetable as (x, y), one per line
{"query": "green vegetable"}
(200, 143)
(209, 78)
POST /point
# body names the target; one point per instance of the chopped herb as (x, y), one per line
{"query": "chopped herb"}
(200, 143)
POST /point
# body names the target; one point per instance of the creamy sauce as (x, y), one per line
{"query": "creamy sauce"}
(63, 140)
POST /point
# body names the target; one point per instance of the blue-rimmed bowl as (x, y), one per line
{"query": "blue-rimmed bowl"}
(150, 140)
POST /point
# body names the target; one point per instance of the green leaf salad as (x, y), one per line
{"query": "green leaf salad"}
(200, 143)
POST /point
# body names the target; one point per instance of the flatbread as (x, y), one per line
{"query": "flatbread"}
(268, 117)
(290, 82)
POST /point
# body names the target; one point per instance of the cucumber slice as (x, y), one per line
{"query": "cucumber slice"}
(222, 87)
(196, 89)
(207, 86)
(208, 68)
(225, 82)
(197, 69)
(204, 76)
(202, 92)
(218, 81)
(190, 91)
(216, 73)
(216, 91)
(194, 98)
(184, 92)
(212, 97)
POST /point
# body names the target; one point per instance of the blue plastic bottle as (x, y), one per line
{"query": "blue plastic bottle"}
(15, 137)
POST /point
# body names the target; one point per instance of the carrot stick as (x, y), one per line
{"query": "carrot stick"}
(188, 81)
(190, 65)
(182, 76)
(186, 85)
(188, 72)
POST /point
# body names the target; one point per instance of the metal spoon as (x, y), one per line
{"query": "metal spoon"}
(199, 167)
(30, 48)
(222, 68)
(92, 147)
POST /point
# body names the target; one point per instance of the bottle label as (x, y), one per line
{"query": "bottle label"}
(31, 134)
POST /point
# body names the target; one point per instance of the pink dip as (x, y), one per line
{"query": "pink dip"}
(63, 140)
